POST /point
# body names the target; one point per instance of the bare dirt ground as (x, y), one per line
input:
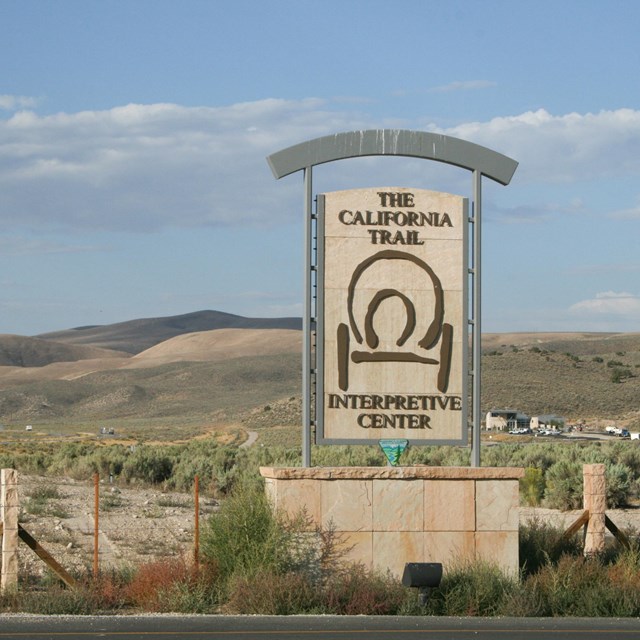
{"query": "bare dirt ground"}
(137, 525)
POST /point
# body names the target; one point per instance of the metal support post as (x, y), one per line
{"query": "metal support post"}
(306, 321)
(477, 325)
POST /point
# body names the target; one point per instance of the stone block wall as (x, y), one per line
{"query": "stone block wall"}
(595, 502)
(387, 516)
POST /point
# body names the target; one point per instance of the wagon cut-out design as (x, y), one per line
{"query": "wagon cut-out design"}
(437, 328)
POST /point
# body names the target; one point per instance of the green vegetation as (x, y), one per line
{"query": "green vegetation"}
(301, 570)
(45, 500)
(619, 374)
(553, 471)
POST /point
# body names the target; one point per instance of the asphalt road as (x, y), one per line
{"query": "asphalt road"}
(313, 627)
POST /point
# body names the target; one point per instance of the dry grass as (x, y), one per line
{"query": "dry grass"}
(565, 374)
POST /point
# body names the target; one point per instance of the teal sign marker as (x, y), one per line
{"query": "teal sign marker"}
(393, 450)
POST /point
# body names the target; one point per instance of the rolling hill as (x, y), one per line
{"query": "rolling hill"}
(23, 351)
(135, 336)
(219, 345)
(164, 372)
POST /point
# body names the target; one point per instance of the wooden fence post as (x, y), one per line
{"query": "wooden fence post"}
(9, 510)
(96, 523)
(196, 546)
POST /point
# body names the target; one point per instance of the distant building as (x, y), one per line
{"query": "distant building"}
(548, 421)
(506, 420)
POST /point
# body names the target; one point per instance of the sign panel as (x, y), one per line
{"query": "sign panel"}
(392, 316)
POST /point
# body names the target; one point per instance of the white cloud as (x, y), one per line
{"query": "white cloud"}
(632, 213)
(141, 167)
(12, 103)
(563, 148)
(145, 167)
(610, 303)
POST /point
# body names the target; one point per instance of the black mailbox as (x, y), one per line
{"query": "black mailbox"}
(422, 575)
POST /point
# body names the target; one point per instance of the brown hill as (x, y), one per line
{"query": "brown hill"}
(135, 336)
(579, 376)
(10, 376)
(22, 351)
(190, 378)
(219, 344)
(523, 339)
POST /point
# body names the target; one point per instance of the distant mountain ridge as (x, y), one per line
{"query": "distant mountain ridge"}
(135, 336)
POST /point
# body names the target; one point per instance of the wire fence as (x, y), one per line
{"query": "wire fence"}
(98, 525)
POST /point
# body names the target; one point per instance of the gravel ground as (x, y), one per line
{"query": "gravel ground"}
(135, 525)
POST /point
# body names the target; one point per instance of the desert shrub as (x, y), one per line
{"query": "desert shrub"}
(500, 456)
(618, 478)
(351, 590)
(437, 456)
(65, 458)
(579, 586)
(279, 455)
(172, 585)
(348, 456)
(194, 595)
(357, 591)
(44, 500)
(564, 485)
(267, 593)
(245, 536)
(627, 455)
(541, 544)
(532, 487)
(618, 374)
(150, 580)
(191, 464)
(228, 468)
(45, 492)
(102, 594)
(109, 460)
(57, 600)
(111, 501)
(539, 456)
(474, 589)
(153, 465)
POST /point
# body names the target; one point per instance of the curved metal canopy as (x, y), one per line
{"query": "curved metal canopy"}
(393, 142)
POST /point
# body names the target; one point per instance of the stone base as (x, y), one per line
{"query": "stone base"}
(388, 516)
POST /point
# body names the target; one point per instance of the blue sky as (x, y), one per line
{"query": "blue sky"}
(133, 137)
